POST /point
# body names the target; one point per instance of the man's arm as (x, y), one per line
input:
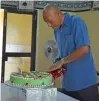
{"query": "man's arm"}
(76, 55)
(81, 38)
(82, 43)
(72, 57)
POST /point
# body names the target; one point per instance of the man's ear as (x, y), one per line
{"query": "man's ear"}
(59, 14)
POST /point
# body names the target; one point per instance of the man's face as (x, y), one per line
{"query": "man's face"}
(52, 19)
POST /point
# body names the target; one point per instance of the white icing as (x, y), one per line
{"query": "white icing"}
(35, 86)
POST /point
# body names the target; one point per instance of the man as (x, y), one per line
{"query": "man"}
(80, 79)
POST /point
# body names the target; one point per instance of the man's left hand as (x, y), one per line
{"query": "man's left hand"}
(56, 66)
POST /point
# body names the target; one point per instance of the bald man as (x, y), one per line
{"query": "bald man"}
(71, 34)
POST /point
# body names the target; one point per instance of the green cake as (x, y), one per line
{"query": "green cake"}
(31, 79)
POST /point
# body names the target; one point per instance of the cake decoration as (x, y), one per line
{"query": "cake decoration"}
(31, 79)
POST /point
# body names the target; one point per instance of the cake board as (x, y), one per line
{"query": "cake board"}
(24, 93)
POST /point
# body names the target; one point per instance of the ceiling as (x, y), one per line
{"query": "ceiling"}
(63, 5)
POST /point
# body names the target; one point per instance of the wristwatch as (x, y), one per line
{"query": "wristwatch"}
(62, 60)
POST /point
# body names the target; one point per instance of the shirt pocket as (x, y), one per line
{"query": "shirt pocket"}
(69, 39)
(69, 43)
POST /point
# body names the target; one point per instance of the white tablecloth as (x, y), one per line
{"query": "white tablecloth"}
(63, 97)
(60, 96)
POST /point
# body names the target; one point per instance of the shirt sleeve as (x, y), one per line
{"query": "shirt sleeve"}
(81, 37)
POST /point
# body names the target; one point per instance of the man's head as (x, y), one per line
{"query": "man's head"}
(53, 16)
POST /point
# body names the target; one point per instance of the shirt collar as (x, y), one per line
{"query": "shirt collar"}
(66, 19)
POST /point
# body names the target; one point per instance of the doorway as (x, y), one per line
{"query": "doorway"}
(19, 42)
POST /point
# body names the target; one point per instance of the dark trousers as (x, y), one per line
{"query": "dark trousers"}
(87, 94)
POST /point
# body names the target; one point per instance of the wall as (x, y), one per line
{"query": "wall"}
(1, 36)
(45, 33)
(92, 20)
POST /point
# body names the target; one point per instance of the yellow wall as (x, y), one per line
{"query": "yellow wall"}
(1, 20)
(45, 33)
(1, 35)
(92, 20)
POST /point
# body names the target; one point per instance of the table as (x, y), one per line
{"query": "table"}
(5, 94)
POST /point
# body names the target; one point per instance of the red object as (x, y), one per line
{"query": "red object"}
(57, 73)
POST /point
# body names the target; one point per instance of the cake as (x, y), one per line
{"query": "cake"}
(31, 79)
